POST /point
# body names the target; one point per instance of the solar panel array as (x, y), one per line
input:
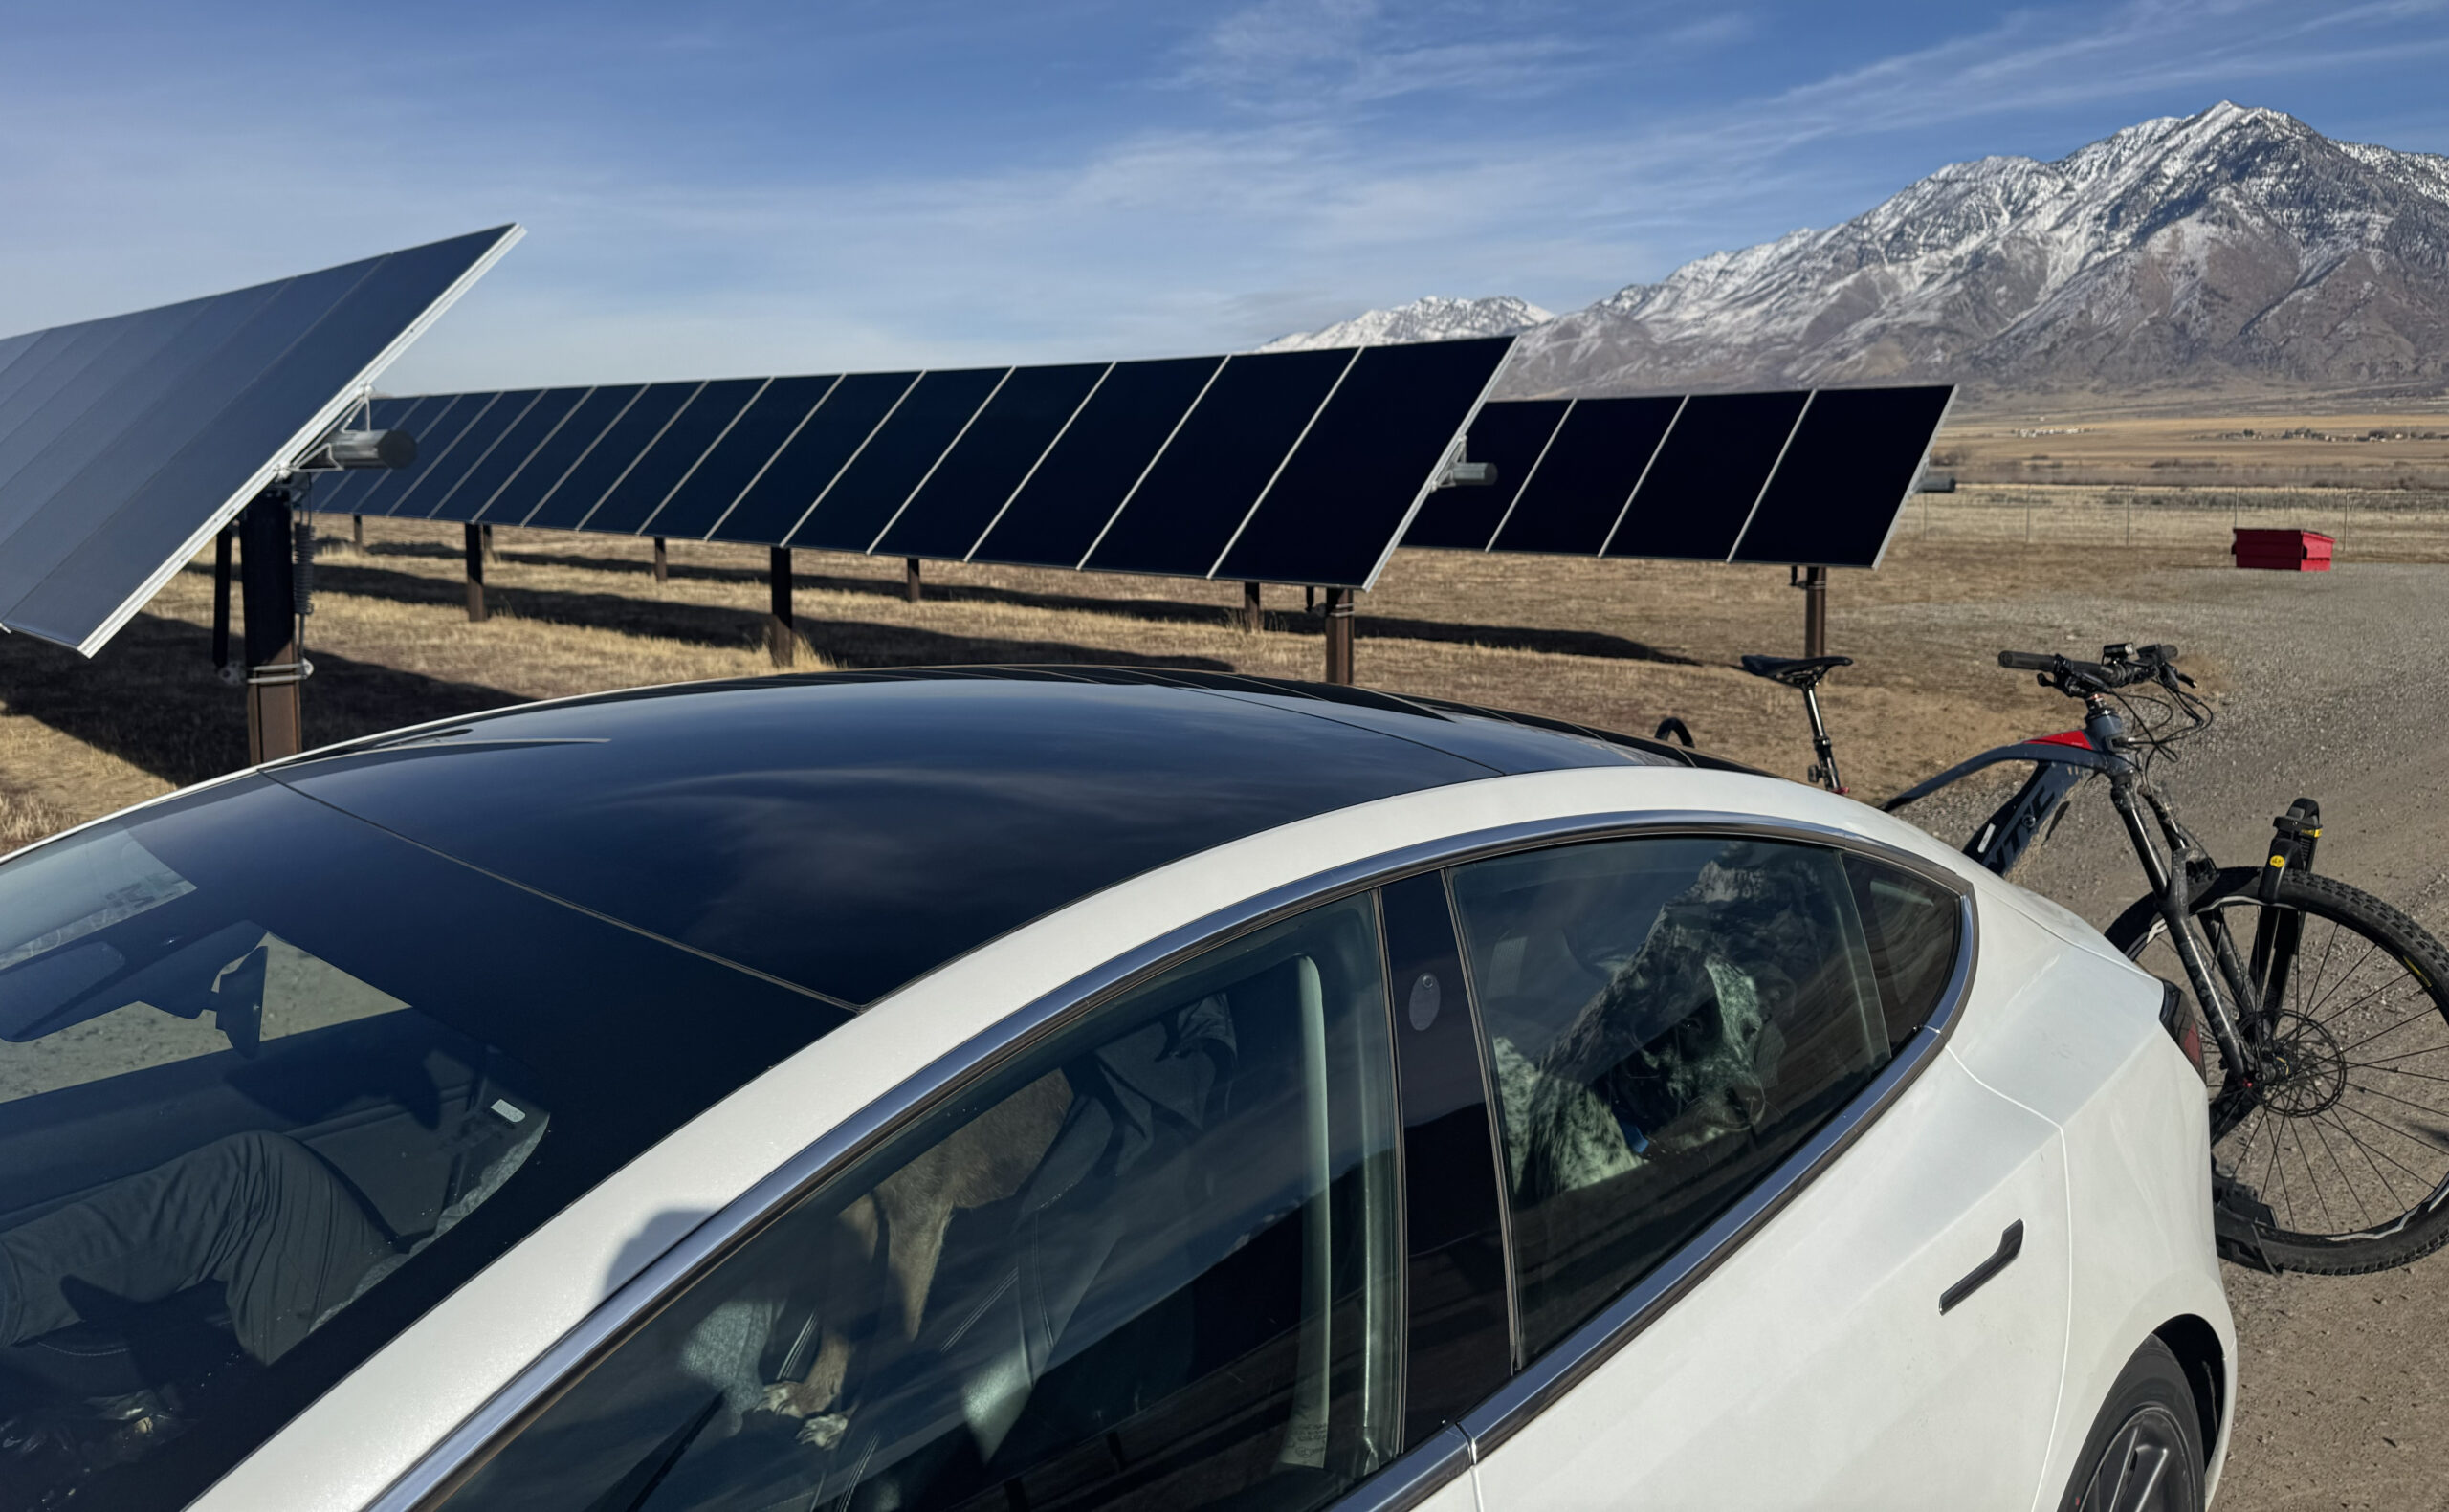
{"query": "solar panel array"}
(1284, 467)
(127, 442)
(1810, 478)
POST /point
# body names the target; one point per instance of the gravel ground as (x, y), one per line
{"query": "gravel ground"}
(2330, 686)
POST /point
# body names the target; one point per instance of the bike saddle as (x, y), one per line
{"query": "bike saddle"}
(1794, 672)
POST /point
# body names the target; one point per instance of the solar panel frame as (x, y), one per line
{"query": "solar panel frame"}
(674, 452)
(879, 478)
(746, 448)
(824, 443)
(1587, 476)
(1677, 486)
(103, 527)
(1469, 519)
(930, 526)
(539, 478)
(1349, 487)
(543, 418)
(1166, 416)
(1833, 417)
(1199, 445)
(435, 492)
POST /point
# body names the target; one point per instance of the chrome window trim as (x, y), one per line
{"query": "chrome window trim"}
(448, 1464)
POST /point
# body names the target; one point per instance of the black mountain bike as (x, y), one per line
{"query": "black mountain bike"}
(2329, 1103)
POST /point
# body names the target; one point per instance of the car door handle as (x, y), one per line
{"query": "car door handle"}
(2011, 1244)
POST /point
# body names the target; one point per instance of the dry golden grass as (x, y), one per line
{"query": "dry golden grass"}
(1614, 644)
(2358, 450)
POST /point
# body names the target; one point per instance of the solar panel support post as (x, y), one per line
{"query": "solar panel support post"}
(1339, 636)
(781, 636)
(475, 539)
(221, 544)
(1251, 613)
(356, 531)
(268, 590)
(911, 584)
(662, 561)
(1814, 584)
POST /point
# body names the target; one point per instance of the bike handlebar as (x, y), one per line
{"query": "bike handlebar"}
(2130, 665)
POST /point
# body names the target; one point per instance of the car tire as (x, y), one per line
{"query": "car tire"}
(2145, 1452)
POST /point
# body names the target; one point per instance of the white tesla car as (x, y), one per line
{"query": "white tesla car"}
(1035, 1088)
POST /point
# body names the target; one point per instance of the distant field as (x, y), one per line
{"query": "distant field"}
(2370, 451)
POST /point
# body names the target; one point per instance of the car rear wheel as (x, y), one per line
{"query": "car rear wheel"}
(2145, 1452)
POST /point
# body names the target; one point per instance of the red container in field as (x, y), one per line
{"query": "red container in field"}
(2284, 550)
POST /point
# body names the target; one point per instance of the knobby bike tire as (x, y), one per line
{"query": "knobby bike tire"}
(2334, 1112)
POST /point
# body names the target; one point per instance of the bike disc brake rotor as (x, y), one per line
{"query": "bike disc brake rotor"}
(2345, 1132)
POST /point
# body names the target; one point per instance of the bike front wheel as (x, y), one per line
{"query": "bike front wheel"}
(2336, 1159)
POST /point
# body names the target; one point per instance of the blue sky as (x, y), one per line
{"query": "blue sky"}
(754, 187)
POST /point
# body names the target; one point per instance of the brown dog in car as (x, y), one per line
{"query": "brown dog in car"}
(983, 1161)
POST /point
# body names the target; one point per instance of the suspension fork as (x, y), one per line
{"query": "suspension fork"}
(1821, 746)
(2174, 894)
(2277, 932)
(2199, 871)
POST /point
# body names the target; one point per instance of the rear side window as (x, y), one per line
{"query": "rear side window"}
(1155, 1264)
(1912, 925)
(1667, 1019)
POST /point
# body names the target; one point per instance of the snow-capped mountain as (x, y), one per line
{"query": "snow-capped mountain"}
(1429, 320)
(2236, 248)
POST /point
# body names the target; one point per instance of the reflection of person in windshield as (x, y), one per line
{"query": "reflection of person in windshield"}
(259, 1212)
(289, 1242)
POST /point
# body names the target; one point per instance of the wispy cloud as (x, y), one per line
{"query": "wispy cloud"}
(740, 194)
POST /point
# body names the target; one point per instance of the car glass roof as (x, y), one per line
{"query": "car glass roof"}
(849, 833)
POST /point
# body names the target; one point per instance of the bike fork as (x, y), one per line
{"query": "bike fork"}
(2175, 899)
(1820, 745)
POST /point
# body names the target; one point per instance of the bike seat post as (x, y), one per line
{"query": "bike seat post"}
(1820, 745)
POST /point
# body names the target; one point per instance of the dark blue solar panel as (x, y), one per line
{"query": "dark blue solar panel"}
(1210, 475)
(441, 431)
(94, 442)
(614, 454)
(691, 435)
(36, 415)
(434, 492)
(1707, 477)
(1592, 465)
(163, 474)
(1059, 512)
(855, 511)
(522, 499)
(975, 480)
(483, 488)
(706, 494)
(1333, 515)
(1510, 434)
(779, 498)
(1835, 497)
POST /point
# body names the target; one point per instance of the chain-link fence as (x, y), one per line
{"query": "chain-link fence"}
(2368, 524)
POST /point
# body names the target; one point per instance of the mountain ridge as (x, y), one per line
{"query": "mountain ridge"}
(2233, 250)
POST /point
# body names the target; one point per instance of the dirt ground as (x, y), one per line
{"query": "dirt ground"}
(2327, 683)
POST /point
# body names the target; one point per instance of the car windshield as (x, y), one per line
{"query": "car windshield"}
(274, 1082)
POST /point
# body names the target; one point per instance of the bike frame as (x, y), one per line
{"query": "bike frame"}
(2174, 865)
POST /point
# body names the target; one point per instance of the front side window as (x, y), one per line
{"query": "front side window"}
(273, 1082)
(1667, 1019)
(1155, 1263)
